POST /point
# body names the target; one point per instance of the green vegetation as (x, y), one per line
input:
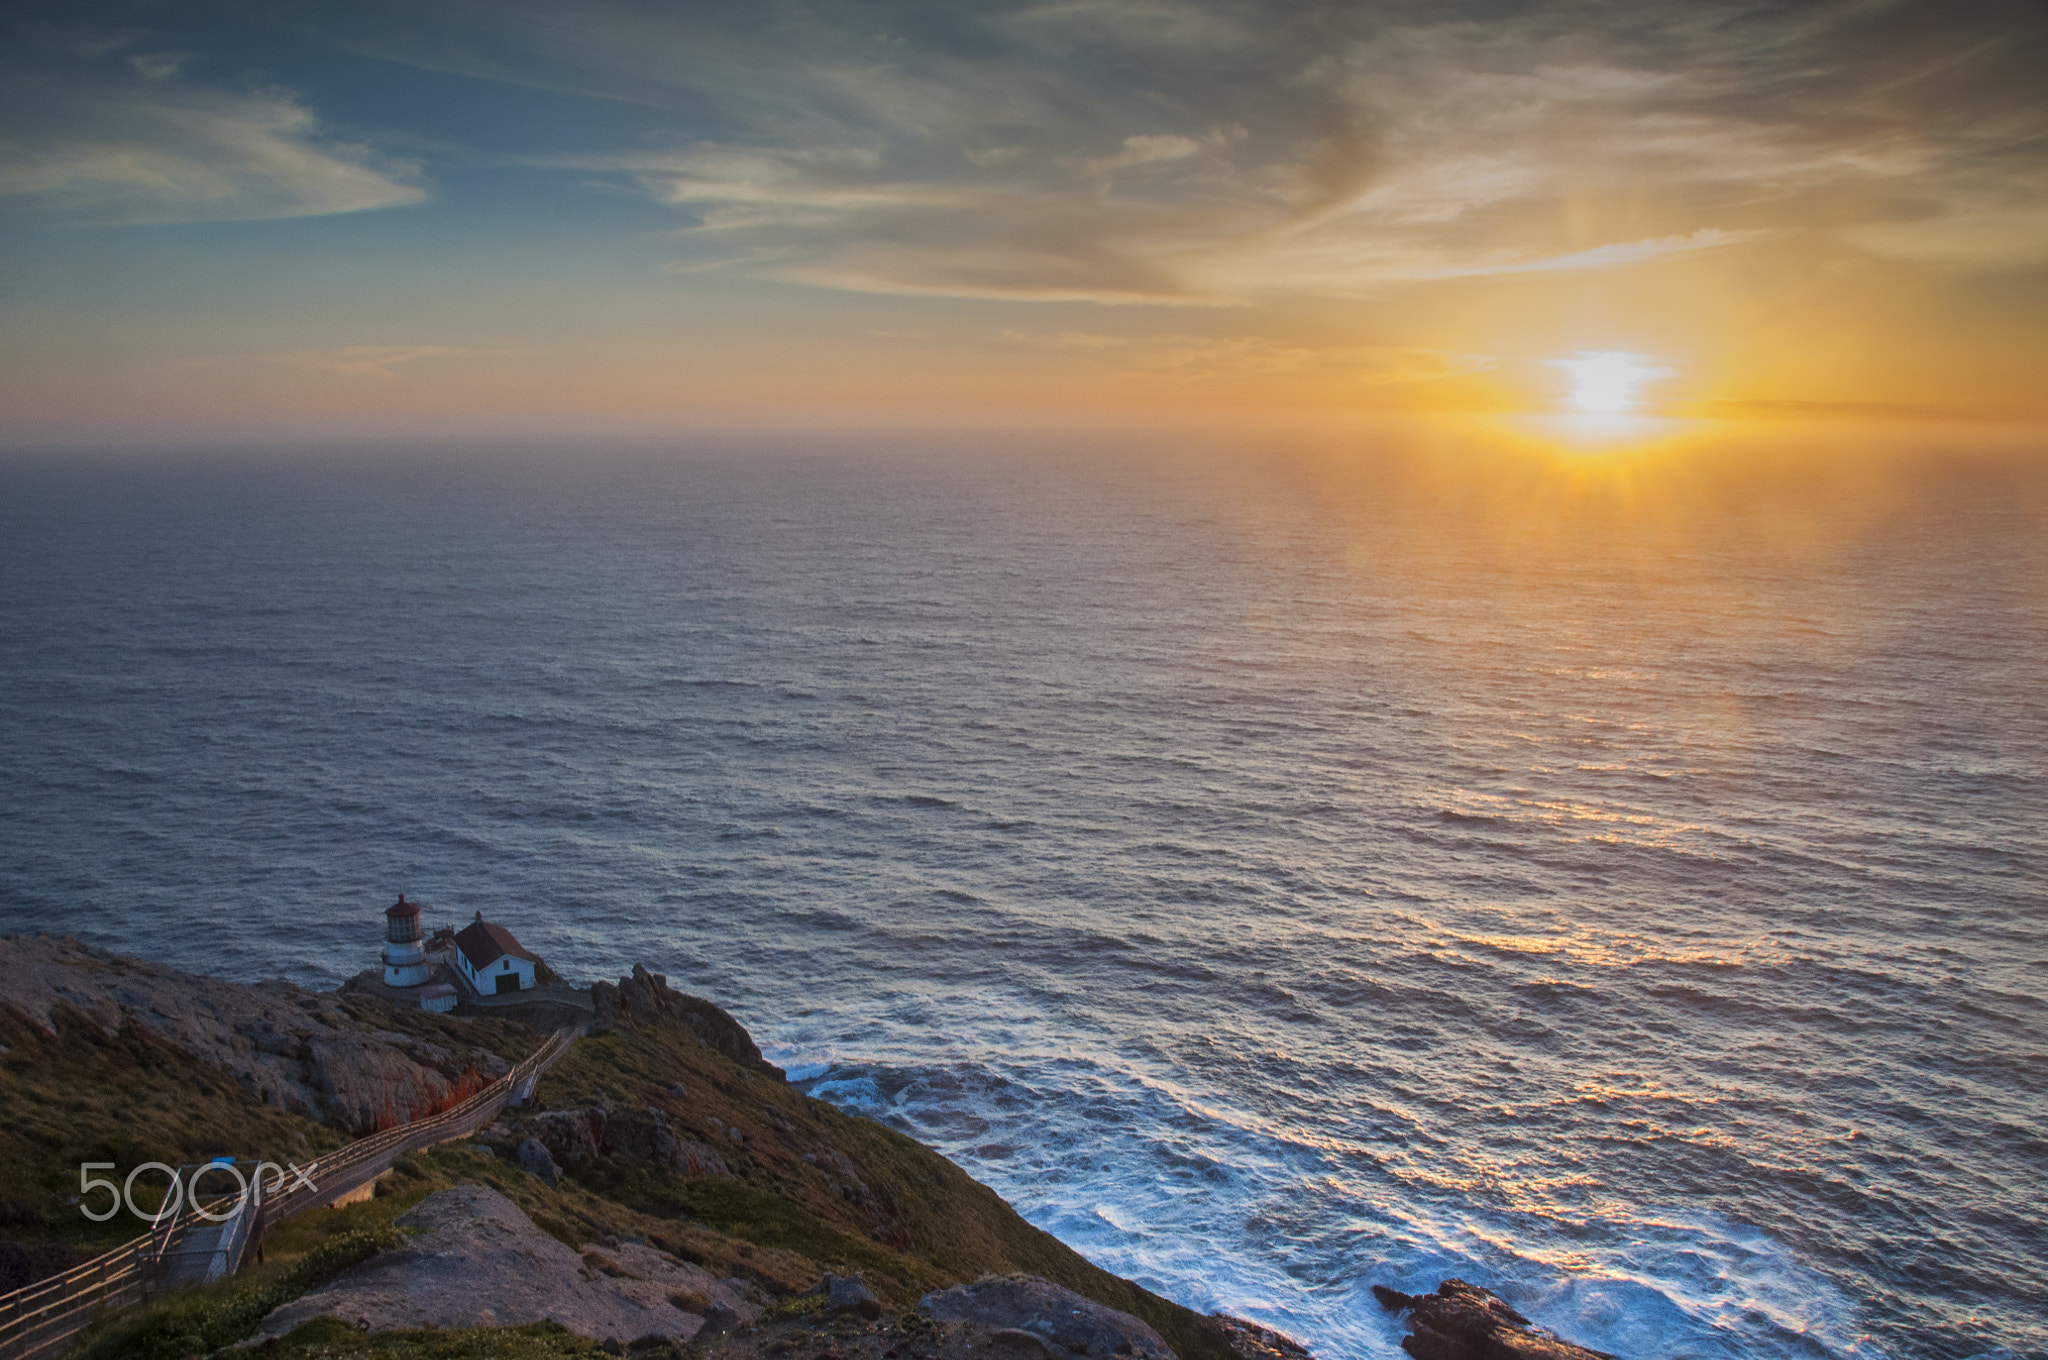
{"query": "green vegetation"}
(329, 1339)
(83, 1095)
(868, 1198)
(810, 1190)
(305, 1252)
(803, 1305)
(199, 1321)
(127, 1098)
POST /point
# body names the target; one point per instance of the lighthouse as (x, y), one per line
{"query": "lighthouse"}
(405, 960)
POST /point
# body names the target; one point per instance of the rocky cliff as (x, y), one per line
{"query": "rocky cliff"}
(333, 1059)
(645, 998)
(666, 1185)
(664, 1130)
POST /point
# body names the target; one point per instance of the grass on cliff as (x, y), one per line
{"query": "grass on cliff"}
(331, 1339)
(868, 1199)
(306, 1252)
(194, 1322)
(811, 1190)
(83, 1095)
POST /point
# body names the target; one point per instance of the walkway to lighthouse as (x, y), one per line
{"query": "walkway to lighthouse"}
(39, 1320)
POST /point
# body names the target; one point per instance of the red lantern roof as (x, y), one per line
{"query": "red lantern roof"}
(404, 908)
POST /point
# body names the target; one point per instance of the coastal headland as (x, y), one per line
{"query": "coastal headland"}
(663, 1192)
(674, 1179)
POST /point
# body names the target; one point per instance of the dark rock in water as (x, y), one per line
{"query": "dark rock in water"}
(1070, 1324)
(1464, 1322)
(535, 1160)
(1253, 1342)
(645, 999)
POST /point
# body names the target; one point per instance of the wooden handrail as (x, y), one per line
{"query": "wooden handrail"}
(66, 1297)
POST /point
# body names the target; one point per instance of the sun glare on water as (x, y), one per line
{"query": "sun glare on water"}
(1607, 381)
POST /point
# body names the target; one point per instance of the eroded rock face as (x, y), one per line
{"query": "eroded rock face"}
(1253, 1342)
(849, 1295)
(535, 1161)
(579, 1136)
(478, 1261)
(645, 999)
(1069, 1324)
(1464, 1322)
(289, 1047)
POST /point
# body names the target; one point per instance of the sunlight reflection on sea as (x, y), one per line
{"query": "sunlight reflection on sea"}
(1272, 883)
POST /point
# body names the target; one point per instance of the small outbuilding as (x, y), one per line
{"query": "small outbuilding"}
(492, 960)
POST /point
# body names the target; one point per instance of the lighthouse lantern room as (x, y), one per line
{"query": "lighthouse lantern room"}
(405, 958)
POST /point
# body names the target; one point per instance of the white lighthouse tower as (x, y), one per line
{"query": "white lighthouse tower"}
(405, 959)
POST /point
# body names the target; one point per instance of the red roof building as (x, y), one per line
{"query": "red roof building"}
(491, 958)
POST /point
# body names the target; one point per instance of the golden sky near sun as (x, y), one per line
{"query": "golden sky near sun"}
(420, 218)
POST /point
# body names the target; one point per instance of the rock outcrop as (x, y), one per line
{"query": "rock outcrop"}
(1253, 1342)
(291, 1048)
(478, 1261)
(576, 1137)
(1464, 1322)
(1063, 1322)
(849, 1296)
(535, 1161)
(646, 999)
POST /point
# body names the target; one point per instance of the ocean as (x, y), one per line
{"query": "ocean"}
(1275, 874)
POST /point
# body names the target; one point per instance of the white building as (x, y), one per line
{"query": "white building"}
(491, 959)
(405, 960)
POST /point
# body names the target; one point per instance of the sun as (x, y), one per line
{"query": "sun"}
(1607, 380)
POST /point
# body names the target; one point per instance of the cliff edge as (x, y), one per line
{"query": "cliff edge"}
(662, 1155)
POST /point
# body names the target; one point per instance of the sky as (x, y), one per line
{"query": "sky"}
(227, 220)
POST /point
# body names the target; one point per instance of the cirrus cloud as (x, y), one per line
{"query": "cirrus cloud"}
(138, 144)
(1119, 151)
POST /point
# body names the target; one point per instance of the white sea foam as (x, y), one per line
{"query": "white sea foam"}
(1673, 1284)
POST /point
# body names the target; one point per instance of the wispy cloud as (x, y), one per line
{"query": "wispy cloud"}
(133, 141)
(365, 361)
(1197, 356)
(1599, 257)
(1211, 152)
(1160, 151)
